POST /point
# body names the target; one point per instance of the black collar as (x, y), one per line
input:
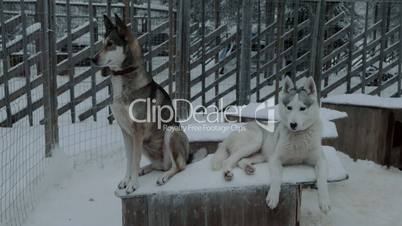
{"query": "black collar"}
(125, 71)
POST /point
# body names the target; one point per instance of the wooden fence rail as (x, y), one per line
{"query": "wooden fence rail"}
(345, 49)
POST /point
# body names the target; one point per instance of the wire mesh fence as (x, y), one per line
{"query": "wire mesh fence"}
(212, 52)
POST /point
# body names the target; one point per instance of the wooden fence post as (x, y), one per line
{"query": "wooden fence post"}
(245, 55)
(398, 94)
(217, 23)
(5, 65)
(182, 76)
(126, 11)
(49, 63)
(317, 45)
(172, 46)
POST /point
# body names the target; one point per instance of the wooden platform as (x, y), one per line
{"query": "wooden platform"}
(238, 206)
(373, 129)
(199, 196)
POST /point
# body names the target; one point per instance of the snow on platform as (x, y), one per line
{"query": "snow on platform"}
(215, 132)
(263, 111)
(365, 100)
(199, 176)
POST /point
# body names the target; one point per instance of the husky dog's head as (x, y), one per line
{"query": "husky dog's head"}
(120, 47)
(298, 107)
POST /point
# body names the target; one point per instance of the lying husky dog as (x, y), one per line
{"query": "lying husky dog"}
(296, 140)
(160, 139)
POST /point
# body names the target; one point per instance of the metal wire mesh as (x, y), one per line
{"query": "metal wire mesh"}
(209, 51)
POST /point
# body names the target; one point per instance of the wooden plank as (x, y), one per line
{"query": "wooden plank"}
(85, 95)
(212, 85)
(11, 23)
(92, 51)
(4, 55)
(212, 52)
(295, 39)
(399, 91)
(138, 210)
(221, 95)
(382, 47)
(97, 107)
(208, 38)
(76, 33)
(387, 84)
(74, 81)
(182, 76)
(361, 119)
(22, 113)
(350, 52)
(364, 59)
(143, 38)
(172, 47)
(203, 58)
(22, 91)
(78, 56)
(371, 78)
(223, 207)
(245, 54)
(223, 61)
(27, 68)
(19, 68)
(71, 71)
(16, 44)
(318, 47)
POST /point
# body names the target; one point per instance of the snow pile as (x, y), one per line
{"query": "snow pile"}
(371, 197)
(364, 100)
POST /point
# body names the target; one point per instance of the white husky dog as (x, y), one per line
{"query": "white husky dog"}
(296, 140)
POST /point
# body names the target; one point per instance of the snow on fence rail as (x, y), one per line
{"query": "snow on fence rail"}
(204, 52)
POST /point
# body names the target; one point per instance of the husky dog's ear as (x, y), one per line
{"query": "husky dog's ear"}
(121, 26)
(287, 85)
(309, 86)
(108, 24)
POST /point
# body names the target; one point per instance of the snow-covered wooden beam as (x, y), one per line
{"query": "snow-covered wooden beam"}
(373, 129)
(200, 196)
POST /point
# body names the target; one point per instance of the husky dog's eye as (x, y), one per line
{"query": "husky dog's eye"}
(302, 108)
(289, 108)
(109, 43)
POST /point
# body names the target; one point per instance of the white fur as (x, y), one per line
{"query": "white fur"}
(297, 146)
(112, 58)
(117, 86)
(235, 149)
(285, 146)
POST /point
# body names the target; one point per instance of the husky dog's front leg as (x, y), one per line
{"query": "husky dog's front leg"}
(133, 183)
(275, 170)
(128, 145)
(321, 170)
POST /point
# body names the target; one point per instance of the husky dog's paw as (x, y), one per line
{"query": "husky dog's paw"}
(228, 175)
(145, 170)
(249, 169)
(272, 199)
(123, 183)
(162, 179)
(324, 206)
(132, 185)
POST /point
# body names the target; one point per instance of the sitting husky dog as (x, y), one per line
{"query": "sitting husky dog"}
(296, 140)
(166, 145)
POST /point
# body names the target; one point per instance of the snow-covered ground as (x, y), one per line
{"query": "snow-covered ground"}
(84, 196)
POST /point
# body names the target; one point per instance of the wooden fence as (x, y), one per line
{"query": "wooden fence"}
(230, 52)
